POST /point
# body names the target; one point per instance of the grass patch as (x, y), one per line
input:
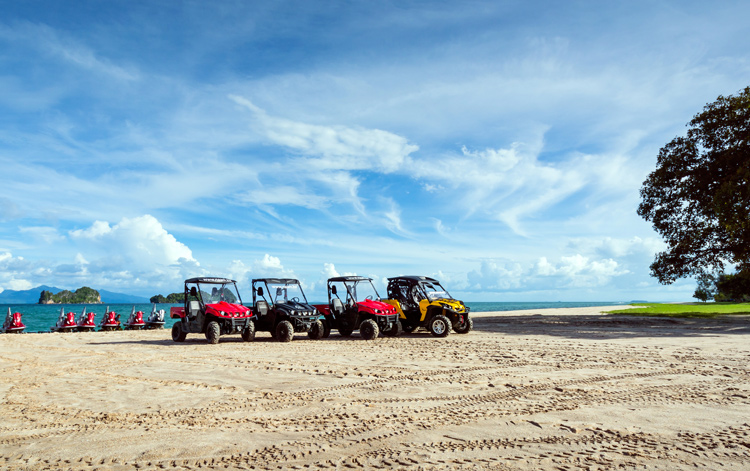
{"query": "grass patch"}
(703, 310)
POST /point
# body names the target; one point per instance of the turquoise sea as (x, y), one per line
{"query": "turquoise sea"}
(40, 317)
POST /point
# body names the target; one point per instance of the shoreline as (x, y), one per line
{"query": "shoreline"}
(474, 314)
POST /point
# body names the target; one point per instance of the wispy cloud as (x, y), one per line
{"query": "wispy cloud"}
(55, 44)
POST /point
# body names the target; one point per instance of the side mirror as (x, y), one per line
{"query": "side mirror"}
(333, 289)
(260, 291)
(193, 292)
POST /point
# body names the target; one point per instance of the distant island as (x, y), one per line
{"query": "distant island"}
(83, 295)
(174, 298)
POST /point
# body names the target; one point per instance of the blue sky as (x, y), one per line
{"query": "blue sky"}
(498, 146)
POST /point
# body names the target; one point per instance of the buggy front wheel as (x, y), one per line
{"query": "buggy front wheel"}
(439, 326)
(248, 333)
(326, 328)
(394, 331)
(368, 329)
(177, 334)
(465, 327)
(284, 331)
(316, 330)
(213, 331)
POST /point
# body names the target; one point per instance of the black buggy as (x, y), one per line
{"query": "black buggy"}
(282, 309)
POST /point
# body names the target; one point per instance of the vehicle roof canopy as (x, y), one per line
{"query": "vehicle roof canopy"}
(285, 281)
(209, 279)
(350, 278)
(414, 278)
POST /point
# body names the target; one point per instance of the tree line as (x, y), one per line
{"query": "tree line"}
(173, 298)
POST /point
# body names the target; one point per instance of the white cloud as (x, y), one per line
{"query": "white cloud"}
(618, 248)
(271, 267)
(137, 253)
(327, 148)
(393, 218)
(47, 235)
(581, 272)
(14, 272)
(239, 272)
(574, 271)
(329, 271)
(56, 44)
(97, 229)
(284, 195)
(496, 276)
(141, 241)
(508, 184)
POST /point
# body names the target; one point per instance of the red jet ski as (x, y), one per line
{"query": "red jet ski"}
(86, 322)
(65, 323)
(110, 321)
(135, 321)
(13, 324)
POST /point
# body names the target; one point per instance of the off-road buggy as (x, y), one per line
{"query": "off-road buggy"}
(361, 309)
(212, 307)
(282, 309)
(422, 302)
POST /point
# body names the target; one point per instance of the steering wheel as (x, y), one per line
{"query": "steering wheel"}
(369, 297)
(295, 299)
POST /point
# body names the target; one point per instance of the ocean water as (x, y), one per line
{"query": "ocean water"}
(40, 317)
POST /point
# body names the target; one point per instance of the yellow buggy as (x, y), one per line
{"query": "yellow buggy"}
(422, 302)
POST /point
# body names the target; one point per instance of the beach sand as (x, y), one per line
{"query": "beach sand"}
(549, 389)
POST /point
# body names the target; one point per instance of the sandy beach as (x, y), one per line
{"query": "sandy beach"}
(560, 389)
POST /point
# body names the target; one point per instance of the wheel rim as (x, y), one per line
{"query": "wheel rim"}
(438, 327)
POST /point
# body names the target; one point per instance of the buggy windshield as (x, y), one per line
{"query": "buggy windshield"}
(215, 293)
(285, 292)
(434, 291)
(361, 290)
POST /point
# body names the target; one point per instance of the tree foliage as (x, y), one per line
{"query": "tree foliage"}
(724, 287)
(698, 198)
(706, 288)
(733, 287)
(176, 298)
(173, 298)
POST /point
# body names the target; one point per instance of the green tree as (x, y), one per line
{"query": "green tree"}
(85, 295)
(159, 299)
(698, 198)
(63, 297)
(733, 287)
(176, 298)
(706, 288)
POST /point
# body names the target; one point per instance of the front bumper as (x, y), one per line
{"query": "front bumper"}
(238, 324)
(387, 322)
(304, 323)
